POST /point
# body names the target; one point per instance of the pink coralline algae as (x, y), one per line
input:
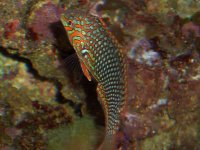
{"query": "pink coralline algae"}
(82, 2)
(138, 127)
(11, 28)
(13, 132)
(43, 17)
(135, 127)
(191, 28)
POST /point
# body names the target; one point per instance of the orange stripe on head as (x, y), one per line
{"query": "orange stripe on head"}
(67, 28)
(76, 42)
(74, 34)
(78, 26)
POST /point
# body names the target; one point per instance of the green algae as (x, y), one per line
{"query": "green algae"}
(82, 134)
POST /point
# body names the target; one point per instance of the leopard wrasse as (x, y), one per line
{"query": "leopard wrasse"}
(101, 58)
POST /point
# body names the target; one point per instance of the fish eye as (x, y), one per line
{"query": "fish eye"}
(70, 23)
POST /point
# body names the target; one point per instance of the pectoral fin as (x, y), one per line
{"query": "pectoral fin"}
(71, 63)
(85, 71)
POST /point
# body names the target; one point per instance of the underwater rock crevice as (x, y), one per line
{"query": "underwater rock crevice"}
(59, 96)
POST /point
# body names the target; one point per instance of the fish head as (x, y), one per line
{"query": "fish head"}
(78, 25)
(73, 22)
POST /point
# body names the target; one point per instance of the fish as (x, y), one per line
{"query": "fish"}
(101, 58)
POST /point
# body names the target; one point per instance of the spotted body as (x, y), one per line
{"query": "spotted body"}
(101, 57)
